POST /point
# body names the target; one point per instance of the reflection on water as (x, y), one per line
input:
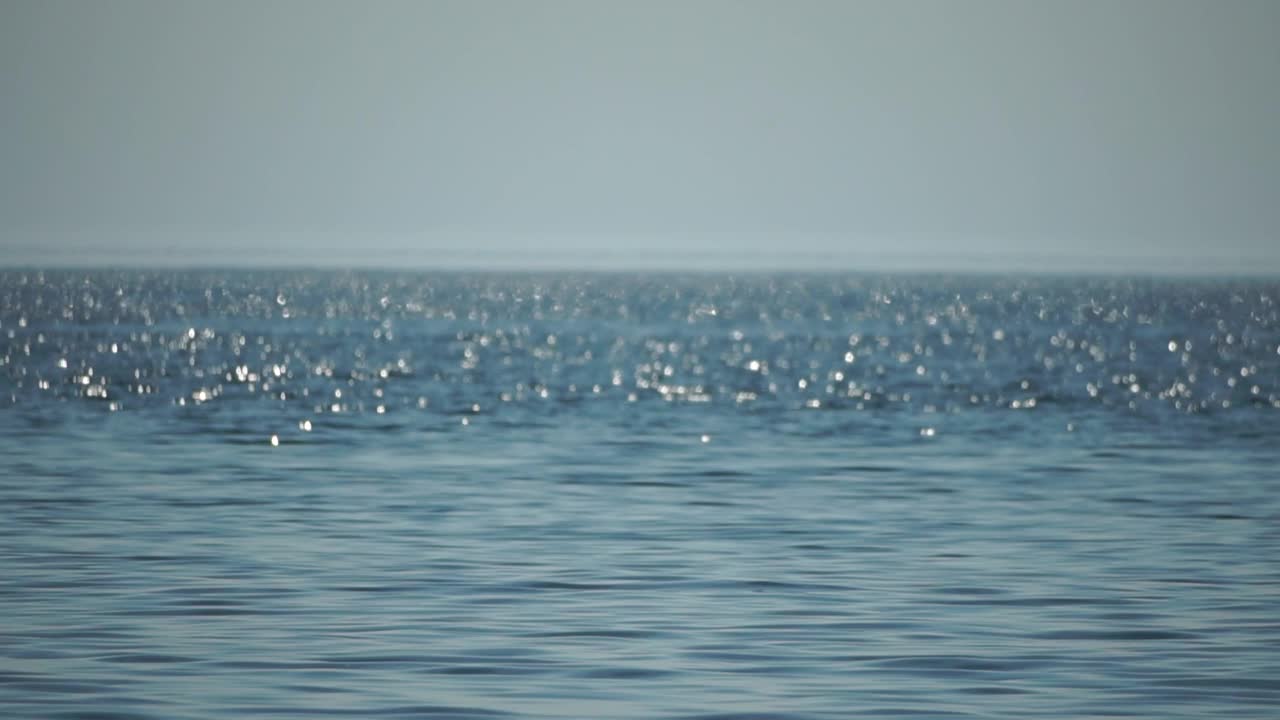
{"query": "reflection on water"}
(238, 495)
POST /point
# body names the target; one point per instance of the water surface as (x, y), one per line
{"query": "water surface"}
(316, 494)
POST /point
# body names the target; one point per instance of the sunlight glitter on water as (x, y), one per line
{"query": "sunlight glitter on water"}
(563, 496)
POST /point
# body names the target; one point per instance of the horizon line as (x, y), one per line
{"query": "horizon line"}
(241, 252)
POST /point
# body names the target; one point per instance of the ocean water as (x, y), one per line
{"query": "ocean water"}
(397, 495)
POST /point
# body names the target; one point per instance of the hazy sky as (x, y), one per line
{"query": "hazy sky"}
(386, 132)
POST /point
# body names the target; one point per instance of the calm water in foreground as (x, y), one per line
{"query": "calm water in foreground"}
(235, 495)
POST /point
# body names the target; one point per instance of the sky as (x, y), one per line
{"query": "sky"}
(1018, 134)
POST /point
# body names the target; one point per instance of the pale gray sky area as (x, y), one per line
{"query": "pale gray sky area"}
(1142, 134)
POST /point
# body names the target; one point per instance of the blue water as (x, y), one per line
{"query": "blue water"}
(376, 495)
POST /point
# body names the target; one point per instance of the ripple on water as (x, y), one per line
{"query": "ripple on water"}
(652, 510)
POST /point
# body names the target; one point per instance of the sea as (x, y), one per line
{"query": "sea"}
(696, 496)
